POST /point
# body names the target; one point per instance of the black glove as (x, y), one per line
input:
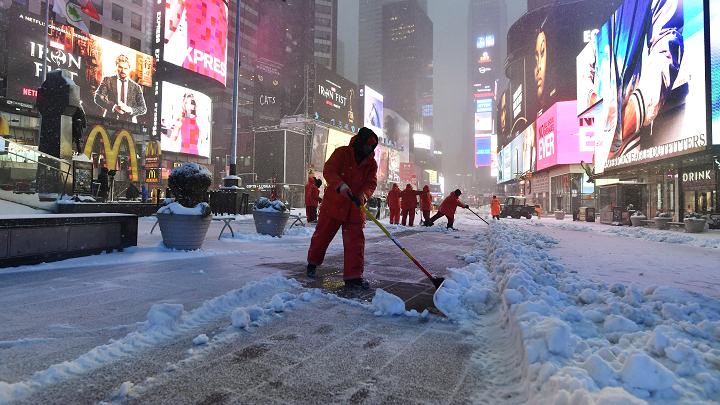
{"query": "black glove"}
(467, 206)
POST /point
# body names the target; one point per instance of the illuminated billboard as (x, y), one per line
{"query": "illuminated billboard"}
(650, 87)
(115, 81)
(482, 151)
(715, 69)
(336, 139)
(373, 110)
(195, 36)
(422, 141)
(334, 99)
(559, 139)
(543, 46)
(185, 120)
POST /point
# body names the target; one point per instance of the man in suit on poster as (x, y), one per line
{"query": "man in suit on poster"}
(119, 96)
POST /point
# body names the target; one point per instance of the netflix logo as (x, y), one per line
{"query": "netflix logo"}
(29, 92)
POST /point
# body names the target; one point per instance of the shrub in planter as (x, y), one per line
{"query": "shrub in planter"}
(185, 221)
(694, 223)
(662, 220)
(637, 217)
(270, 217)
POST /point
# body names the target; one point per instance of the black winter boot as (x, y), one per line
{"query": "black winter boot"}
(357, 283)
(311, 270)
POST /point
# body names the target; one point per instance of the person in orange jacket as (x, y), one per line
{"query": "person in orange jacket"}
(312, 199)
(408, 203)
(495, 208)
(393, 202)
(350, 173)
(448, 208)
(426, 203)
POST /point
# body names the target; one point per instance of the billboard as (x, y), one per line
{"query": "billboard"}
(543, 46)
(185, 120)
(504, 165)
(483, 151)
(650, 87)
(115, 81)
(336, 139)
(335, 98)
(397, 130)
(195, 36)
(373, 110)
(715, 69)
(422, 141)
(268, 92)
(559, 139)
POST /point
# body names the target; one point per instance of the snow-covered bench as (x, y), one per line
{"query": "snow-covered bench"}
(30, 239)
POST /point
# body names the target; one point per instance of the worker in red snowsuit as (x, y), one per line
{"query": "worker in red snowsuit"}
(350, 173)
(393, 202)
(495, 208)
(426, 204)
(408, 203)
(448, 208)
(312, 199)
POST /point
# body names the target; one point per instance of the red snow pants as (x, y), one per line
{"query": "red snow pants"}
(395, 216)
(353, 245)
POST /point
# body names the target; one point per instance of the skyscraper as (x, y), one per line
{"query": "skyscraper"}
(407, 54)
(326, 33)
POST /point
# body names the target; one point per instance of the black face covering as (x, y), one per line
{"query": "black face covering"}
(361, 147)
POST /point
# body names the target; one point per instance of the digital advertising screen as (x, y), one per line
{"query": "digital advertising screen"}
(373, 111)
(195, 36)
(650, 87)
(559, 139)
(335, 140)
(549, 40)
(715, 69)
(482, 151)
(115, 81)
(505, 165)
(397, 130)
(185, 120)
(335, 99)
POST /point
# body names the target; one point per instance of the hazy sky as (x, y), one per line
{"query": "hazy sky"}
(450, 25)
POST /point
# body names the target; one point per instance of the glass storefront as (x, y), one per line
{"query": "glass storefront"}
(699, 190)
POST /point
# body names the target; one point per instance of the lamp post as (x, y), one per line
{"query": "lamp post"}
(232, 179)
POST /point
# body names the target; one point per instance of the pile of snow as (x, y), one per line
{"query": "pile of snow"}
(706, 240)
(165, 323)
(73, 199)
(177, 209)
(586, 341)
(385, 303)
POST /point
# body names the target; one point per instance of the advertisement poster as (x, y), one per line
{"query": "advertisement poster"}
(373, 108)
(185, 120)
(397, 130)
(393, 166)
(482, 151)
(320, 138)
(381, 158)
(115, 81)
(195, 36)
(559, 140)
(651, 87)
(407, 173)
(505, 165)
(335, 140)
(268, 97)
(551, 39)
(335, 98)
(715, 69)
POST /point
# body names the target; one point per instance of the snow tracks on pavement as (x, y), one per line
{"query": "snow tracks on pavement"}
(581, 341)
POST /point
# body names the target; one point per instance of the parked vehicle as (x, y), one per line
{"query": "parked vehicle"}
(517, 207)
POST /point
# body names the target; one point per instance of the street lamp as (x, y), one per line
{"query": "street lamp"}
(232, 179)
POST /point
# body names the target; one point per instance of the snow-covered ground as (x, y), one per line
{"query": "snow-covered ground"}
(528, 320)
(9, 208)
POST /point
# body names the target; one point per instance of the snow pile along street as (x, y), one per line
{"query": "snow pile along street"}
(586, 341)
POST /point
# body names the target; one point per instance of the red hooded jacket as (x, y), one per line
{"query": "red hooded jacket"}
(393, 198)
(361, 178)
(312, 193)
(408, 198)
(450, 204)
(426, 199)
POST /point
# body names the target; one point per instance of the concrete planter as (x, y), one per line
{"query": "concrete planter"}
(694, 225)
(662, 222)
(636, 220)
(271, 223)
(559, 215)
(183, 232)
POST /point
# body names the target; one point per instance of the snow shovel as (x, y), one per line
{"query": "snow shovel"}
(478, 216)
(437, 281)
